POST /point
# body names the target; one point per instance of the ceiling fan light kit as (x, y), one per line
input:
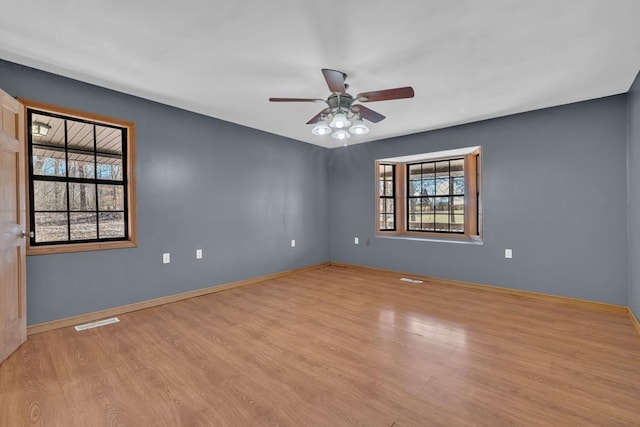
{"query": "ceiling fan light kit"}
(359, 127)
(340, 121)
(341, 135)
(341, 108)
(321, 128)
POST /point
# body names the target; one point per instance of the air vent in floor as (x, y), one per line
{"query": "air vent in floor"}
(414, 281)
(97, 324)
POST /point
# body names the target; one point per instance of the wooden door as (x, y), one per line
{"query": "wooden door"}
(13, 315)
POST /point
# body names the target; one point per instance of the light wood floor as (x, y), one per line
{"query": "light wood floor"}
(333, 347)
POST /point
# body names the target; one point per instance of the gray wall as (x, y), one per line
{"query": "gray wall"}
(554, 192)
(633, 165)
(239, 194)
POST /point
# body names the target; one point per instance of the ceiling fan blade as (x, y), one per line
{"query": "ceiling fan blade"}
(386, 95)
(296, 100)
(367, 113)
(318, 116)
(335, 80)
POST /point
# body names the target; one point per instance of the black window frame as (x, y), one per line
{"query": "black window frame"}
(385, 197)
(124, 183)
(450, 195)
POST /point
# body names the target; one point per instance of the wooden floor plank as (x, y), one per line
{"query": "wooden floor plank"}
(330, 347)
(29, 387)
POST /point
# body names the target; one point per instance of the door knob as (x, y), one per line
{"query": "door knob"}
(23, 234)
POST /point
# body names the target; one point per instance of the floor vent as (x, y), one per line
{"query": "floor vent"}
(97, 324)
(414, 281)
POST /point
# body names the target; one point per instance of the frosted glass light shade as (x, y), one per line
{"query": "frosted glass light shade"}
(359, 128)
(321, 128)
(341, 134)
(340, 121)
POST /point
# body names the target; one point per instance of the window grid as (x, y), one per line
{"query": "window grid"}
(435, 196)
(96, 185)
(387, 197)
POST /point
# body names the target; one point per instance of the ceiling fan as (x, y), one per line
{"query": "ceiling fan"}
(342, 107)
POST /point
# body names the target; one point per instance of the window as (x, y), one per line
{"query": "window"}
(387, 197)
(81, 180)
(430, 195)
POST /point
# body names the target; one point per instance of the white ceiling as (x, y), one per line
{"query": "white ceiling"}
(467, 60)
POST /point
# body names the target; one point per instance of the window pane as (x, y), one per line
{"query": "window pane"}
(458, 185)
(389, 221)
(82, 197)
(442, 168)
(458, 205)
(84, 226)
(110, 198)
(442, 204)
(55, 134)
(81, 165)
(415, 171)
(51, 227)
(49, 196)
(428, 187)
(428, 169)
(414, 205)
(110, 168)
(457, 167)
(457, 223)
(414, 221)
(428, 204)
(108, 140)
(381, 205)
(79, 135)
(381, 188)
(427, 221)
(389, 208)
(49, 162)
(111, 224)
(388, 186)
(415, 188)
(442, 222)
(381, 219)
(442, 186)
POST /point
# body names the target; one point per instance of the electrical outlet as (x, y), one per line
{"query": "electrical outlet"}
(293, 243)
(356, 241)
(166, 258)
(508, 253)
(198, 253)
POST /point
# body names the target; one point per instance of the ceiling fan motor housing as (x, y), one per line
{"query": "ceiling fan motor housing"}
(340, 102)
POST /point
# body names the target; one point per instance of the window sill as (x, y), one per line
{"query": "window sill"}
(461, 241)
(80, 247)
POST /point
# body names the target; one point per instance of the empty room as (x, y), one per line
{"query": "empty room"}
(392, 214)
